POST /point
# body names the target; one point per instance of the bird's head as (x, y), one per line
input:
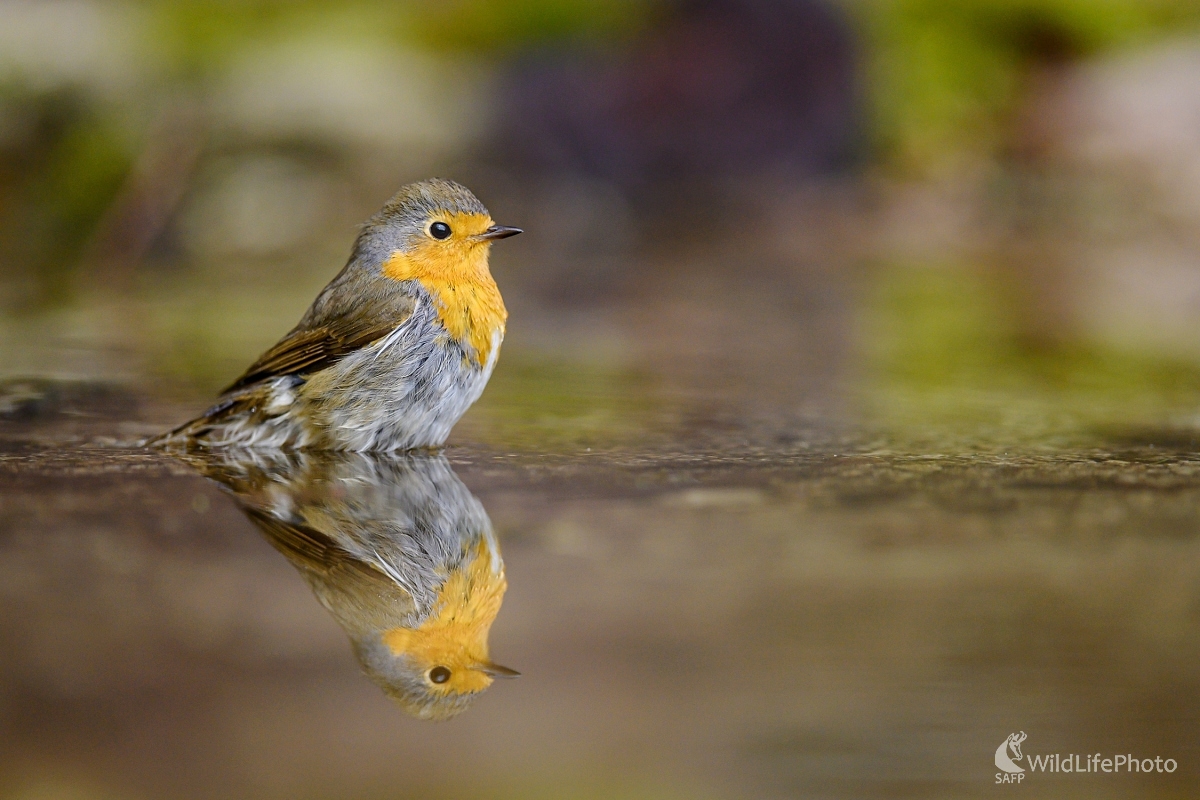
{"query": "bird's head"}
(434, 686)
(435, 670)
(434, 229)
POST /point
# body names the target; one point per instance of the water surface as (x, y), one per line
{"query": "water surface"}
(814, 618)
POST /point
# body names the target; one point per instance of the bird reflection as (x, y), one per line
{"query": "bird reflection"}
(397, 550)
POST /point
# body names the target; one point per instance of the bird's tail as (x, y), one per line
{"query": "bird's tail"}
(196, 431)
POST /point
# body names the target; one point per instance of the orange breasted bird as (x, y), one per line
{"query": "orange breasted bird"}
(396, 548)
(391, 353)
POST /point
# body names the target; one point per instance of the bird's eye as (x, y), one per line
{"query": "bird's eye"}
(439, 674)
(439, 230)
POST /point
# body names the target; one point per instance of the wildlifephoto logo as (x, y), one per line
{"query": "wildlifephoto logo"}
(1009, 753)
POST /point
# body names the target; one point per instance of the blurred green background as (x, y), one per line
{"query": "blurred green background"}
(952, 224)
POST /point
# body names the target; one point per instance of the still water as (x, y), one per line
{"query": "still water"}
(730, 621)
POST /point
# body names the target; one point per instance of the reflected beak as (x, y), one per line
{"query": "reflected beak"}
(495, 670)
(498, 232)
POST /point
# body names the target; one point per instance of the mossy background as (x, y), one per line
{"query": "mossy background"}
(943, 77)
(950, 370)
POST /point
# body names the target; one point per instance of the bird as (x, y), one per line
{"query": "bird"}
(392, 352)
(399, 552)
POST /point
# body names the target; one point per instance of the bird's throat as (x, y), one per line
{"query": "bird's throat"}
(468, 301)
(456, 632)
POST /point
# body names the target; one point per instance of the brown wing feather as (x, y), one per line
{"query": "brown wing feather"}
(307, 350)
(314, 552)
(357, 592)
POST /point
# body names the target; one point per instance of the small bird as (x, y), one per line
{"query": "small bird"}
(396, 548)
(391, 353)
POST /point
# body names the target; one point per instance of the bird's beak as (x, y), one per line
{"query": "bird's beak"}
(498, 232)
(497, 671)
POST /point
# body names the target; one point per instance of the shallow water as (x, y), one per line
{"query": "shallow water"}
(729, 620)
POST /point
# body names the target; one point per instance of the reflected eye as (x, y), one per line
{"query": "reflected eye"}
(439, 674)
(439, 230)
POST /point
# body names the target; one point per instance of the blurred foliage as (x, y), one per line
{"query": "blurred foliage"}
(944, 75)
(77, 142)
(942, 78)
(196, 35)
(56, 184)
(947, 364)
(504, 25)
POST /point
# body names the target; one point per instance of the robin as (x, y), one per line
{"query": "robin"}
(397, 550)
(391, 353)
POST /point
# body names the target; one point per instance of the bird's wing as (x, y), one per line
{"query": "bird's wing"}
(313, 349)
(339, 572)
(316, 344)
